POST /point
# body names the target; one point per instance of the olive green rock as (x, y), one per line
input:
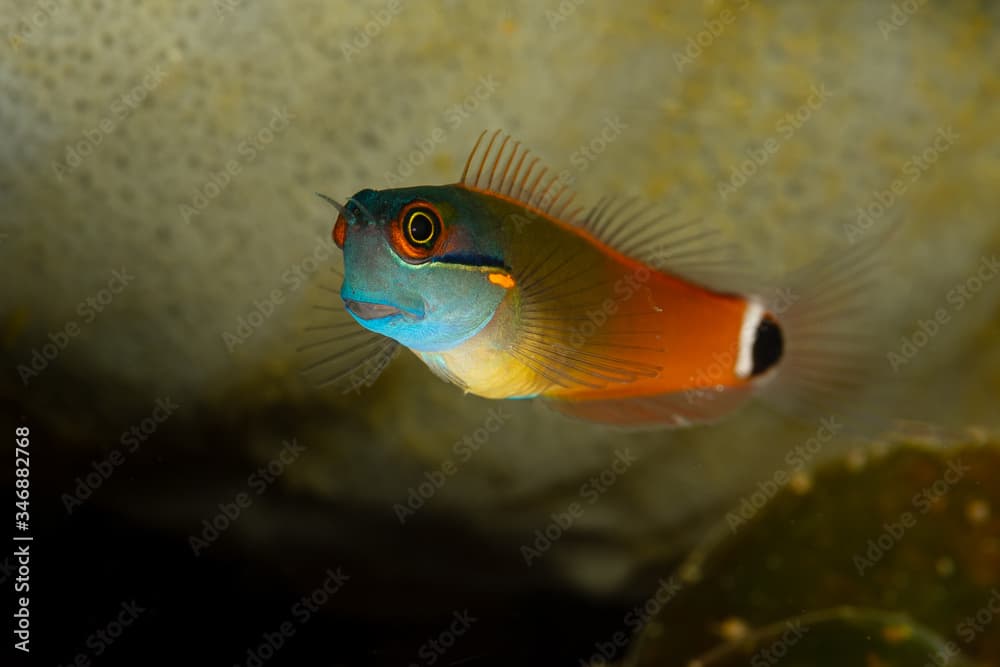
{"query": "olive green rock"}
(892, 562)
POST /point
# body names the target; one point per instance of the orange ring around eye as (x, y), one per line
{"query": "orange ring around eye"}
(401, 232)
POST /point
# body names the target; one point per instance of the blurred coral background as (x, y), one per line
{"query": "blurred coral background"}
(160, 238)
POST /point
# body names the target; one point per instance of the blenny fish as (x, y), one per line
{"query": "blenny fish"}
(503, 288)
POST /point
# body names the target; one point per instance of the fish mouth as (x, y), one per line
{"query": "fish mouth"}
(367, 310)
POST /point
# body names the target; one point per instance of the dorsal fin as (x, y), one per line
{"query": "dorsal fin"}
(506, 169)
(657, 237)
(666, 241)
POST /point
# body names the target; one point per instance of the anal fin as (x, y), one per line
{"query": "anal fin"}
(670, 410)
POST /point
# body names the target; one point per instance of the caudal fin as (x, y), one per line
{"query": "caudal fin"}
(830, 315)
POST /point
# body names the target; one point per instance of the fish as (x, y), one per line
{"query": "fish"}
(618, 314)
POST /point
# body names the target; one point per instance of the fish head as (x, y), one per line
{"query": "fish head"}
(422, 265)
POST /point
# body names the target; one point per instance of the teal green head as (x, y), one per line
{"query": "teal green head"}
(422, 265)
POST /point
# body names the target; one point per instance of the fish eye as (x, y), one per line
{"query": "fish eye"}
(416, 232)
(421, 227)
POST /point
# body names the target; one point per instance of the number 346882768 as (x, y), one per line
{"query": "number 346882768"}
(21, 468)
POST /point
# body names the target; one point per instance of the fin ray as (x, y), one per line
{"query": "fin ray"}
(831, 355)
(333, 350)
(643, 232)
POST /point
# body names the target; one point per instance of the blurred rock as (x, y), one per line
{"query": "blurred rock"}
(893, 562)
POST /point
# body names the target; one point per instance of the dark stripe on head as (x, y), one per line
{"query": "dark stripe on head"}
(472, 259)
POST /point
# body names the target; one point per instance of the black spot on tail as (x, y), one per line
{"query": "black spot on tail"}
(768, 345)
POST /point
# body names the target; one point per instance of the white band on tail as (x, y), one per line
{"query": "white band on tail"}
(748, 333)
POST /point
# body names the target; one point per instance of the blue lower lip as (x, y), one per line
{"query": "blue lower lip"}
(372, 311)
